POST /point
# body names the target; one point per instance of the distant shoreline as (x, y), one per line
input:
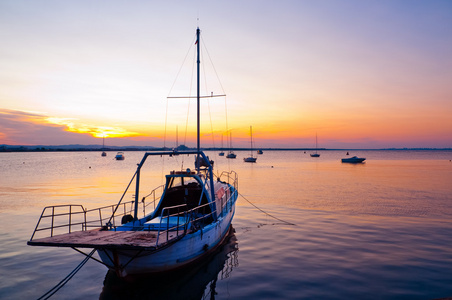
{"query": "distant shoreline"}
(97, 148)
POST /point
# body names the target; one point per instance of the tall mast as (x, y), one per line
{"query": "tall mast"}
(251, 135)
(197, 98)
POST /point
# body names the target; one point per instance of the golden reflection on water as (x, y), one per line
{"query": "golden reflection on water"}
(385, 223)
(416, 187)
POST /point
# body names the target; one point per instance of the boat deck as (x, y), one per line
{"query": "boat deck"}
(102, 239)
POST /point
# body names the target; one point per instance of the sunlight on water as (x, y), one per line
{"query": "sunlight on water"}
(378, 230)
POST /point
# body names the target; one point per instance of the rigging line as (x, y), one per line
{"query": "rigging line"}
(57, 287)
(219, 81)
(182, 65)
(288, 223)
(208, 102)
(213, 66)
(172, 86)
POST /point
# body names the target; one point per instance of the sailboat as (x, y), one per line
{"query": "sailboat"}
(231, 153)
(190, 219)
(315, 154)
(103, 147)
(222, 152)
(251, 159)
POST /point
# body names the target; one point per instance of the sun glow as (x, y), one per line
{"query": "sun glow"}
(71, 125)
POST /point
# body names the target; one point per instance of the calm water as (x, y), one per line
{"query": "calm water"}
(379, 230)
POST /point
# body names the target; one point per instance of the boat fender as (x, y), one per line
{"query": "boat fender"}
(205, 247)
(126, 219)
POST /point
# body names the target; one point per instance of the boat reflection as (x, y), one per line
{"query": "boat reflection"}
(198, 282)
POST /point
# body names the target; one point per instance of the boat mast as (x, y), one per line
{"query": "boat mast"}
(197, 99)
(316, 143)
(251, 134)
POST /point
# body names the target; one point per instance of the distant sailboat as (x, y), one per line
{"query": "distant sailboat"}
(315, 154)
(231, 154)
(222, 152)
(251, 159)
(103, 147)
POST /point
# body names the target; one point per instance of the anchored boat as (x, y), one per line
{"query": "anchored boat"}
(315, 154)
(251, 158)
(354, 159)
(192, 215)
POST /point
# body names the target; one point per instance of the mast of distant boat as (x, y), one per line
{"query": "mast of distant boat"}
(316, 143)
(251, 134)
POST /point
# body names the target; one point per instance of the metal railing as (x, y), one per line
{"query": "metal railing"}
(230, 177)
(60, 219)
(192, 217)
(155, 195)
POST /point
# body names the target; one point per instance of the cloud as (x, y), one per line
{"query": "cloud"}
(33, 128)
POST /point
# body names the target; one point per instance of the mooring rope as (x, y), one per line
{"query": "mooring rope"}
(57, 287)
(271, 216)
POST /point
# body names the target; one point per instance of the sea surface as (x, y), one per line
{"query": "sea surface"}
(305, 228)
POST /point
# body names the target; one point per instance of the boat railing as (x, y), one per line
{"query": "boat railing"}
(60, 219)
(166, 215)
(191, 219)
(107, 216)
(154, 196)
(226, 206)
(230, 177)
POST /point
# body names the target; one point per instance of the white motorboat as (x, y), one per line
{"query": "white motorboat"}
(120, 156)
(191, 218)
(354, 159)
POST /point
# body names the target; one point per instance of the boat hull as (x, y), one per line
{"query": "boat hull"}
(250, 159)
(353, 160)
(188, 249)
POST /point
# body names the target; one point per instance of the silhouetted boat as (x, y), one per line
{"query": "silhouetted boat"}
(251, 159)
(315, 154)
(120, 156)
(231, 153)
(354, 159)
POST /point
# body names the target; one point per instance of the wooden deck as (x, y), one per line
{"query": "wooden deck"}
(143, 240)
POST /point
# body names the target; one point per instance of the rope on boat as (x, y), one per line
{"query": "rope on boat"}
(285, 222)
(57, 287)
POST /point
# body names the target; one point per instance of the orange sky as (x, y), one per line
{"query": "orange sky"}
(377, 79)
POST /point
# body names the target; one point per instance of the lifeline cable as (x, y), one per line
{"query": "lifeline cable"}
(288, 223)
(57, 287)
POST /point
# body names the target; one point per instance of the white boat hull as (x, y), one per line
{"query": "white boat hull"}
(188, 249)
(353, 159)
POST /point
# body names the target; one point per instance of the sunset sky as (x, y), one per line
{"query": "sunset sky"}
(359, 74)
